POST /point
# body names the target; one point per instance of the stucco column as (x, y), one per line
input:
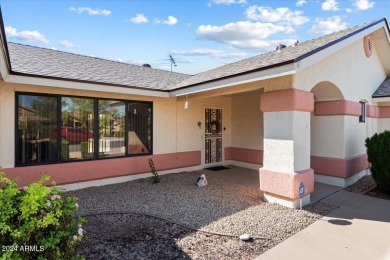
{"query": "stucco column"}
(286, 161)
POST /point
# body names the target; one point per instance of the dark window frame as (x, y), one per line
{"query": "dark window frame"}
(362, 117)
(96, 128)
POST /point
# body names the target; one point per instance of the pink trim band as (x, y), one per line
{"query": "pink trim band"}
(345, 107)
(372, 111)
(99, 169)
(384, 112)
(286, 184)
(287, 100)
(244, 155)
(342, 168)
(338, 107)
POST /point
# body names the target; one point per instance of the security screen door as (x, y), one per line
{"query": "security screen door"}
(213, 135)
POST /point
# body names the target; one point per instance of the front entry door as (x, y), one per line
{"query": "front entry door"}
(213, 136)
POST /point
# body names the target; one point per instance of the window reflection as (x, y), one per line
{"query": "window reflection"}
(77, 140)
(55, 128)
(140, 128)
(37, 119)
(111, 128)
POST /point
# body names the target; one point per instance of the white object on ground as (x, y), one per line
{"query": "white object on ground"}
(245, 237)
(201, 181)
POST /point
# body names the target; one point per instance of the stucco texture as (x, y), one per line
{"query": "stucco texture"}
(175, 129)
(247, 121)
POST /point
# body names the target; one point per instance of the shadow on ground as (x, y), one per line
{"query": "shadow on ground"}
(130, 236)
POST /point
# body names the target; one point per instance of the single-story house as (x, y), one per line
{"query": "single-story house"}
(299, 114)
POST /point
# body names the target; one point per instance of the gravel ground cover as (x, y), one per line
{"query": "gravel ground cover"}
(221, 207)
(367, 186)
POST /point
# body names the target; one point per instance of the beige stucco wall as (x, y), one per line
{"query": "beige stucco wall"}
(349, 69)
(357, 77)
(247, 121)
(327, 138)
(286, 146)
(354, 135)
(168, 137)
(190, 136)
(383, 124)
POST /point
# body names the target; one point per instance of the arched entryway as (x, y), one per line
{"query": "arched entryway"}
(327, 149)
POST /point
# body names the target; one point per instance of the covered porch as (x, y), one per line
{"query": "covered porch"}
(264, 128)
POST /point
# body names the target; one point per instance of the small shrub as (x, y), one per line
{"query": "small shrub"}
(155, 178)
(85, 154)
(378, 151)
(84, 150)
(37, 222)
(64, 148)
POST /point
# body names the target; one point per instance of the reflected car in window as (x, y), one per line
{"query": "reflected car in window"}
(73, 134)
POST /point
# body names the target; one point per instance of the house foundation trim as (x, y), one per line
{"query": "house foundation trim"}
(244, 155)
(338, 167)
(341, 182)
(74, 172)
(286, 202)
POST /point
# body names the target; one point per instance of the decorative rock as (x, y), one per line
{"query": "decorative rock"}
(245, 237)
(224, 207)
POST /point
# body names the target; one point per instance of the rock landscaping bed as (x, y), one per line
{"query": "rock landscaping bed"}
(367, 186)
(178, 217)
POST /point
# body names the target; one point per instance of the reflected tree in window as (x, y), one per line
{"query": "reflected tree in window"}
(77, 122)
(111, 128)
(37, 120)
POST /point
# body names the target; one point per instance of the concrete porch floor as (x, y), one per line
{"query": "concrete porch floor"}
(249, 177)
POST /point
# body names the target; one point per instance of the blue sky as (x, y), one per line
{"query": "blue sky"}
(200, 35)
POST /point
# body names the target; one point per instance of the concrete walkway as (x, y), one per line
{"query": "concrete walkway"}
(359, 229)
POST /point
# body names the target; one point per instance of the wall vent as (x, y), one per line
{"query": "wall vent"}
(367, 44)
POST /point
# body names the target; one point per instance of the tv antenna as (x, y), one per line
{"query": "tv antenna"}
(172, 61)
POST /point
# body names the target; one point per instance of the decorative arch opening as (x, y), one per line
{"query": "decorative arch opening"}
(326, 91)
(326, 128)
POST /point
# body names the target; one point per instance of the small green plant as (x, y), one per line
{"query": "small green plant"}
(155, 178)
(84, 150)
(64, 148)
(37, 222)
(378, 151)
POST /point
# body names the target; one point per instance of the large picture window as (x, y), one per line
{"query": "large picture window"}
(60, 128)
(37, 120)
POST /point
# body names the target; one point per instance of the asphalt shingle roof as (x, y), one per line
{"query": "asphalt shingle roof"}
(51, 63)
(383, 90)
(274, 58)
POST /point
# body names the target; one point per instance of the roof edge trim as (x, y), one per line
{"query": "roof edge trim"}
(84, 81)
(340, 39)
(4, 44)
(237, 75)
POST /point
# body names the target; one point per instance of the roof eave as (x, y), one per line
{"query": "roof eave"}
(340, 39)
(277, 70)
(300, 62)
(5, 63)
(310, 58)
(22, 78)
(381, 99)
